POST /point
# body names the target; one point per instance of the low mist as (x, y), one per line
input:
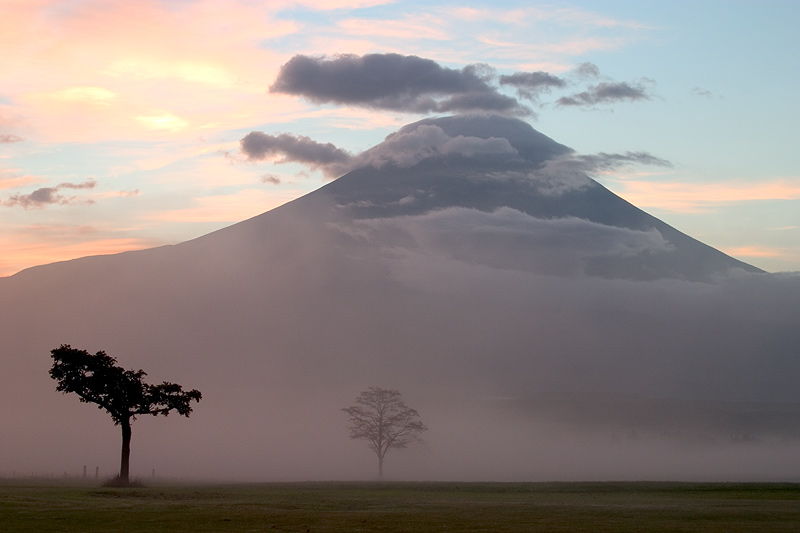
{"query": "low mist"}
(525, 359)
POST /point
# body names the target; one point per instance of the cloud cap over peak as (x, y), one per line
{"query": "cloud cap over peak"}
(394, 82)
(487, 146)
(529, 143)
(476, 137)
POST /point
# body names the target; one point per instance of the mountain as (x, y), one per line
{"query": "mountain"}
(512, 183)
(535, 319)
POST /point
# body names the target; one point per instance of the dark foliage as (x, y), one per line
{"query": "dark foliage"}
(97, 379)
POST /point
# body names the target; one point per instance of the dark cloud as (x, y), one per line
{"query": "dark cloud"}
(393, 82)
(38, 198)
(606, 93)
(258, 145)
(611, 92)
(587, 70)
(484, 101)
(557, 168)
(531, 84)
(6, 138)
(270, 178)
(401, 149)
(413, 84)
(48, 196)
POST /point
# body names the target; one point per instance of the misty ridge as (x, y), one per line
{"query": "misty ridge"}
(543, 327)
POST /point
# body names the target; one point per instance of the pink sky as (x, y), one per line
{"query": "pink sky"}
(148, 101)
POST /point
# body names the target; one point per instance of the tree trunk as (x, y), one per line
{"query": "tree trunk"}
(125, 462)
(380, 467)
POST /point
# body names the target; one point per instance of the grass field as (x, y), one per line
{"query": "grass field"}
(618, 507)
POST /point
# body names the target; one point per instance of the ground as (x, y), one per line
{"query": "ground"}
(26, 505)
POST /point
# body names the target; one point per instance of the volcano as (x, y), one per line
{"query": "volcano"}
(467, 261)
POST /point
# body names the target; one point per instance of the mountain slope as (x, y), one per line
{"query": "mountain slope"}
(464, 165)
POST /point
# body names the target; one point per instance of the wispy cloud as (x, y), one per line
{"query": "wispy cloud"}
(604, 162)
(589, 18)
(191, 71)
(513, 39)
(608, 93)
(693, 197)
(569, 171)
(705, 93)
(569, 17)
(41, 244)
(92, 95)
(225, 208)
(45, 196)
(754, 251)
(189, 58)
(425, 26)
(166, 122)
(500, 35)
(328, 5)
(10, 179)
(194, 71)
(783, 257)
(506, 49)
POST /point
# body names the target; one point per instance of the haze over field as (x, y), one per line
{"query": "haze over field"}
(110, 142)
(543, 327)
(605, 308)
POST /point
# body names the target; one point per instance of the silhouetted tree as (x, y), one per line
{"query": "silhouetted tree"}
(382, 419)
(97, 379)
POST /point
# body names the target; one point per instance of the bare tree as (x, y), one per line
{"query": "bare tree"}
(382, 419)
(96, 378)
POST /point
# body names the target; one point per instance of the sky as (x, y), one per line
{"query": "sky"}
(129, 125)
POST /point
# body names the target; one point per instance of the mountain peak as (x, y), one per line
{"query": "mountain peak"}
(498, 175)
(528, 143)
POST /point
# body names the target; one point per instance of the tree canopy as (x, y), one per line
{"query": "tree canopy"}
(382, 418)
(97, 379)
